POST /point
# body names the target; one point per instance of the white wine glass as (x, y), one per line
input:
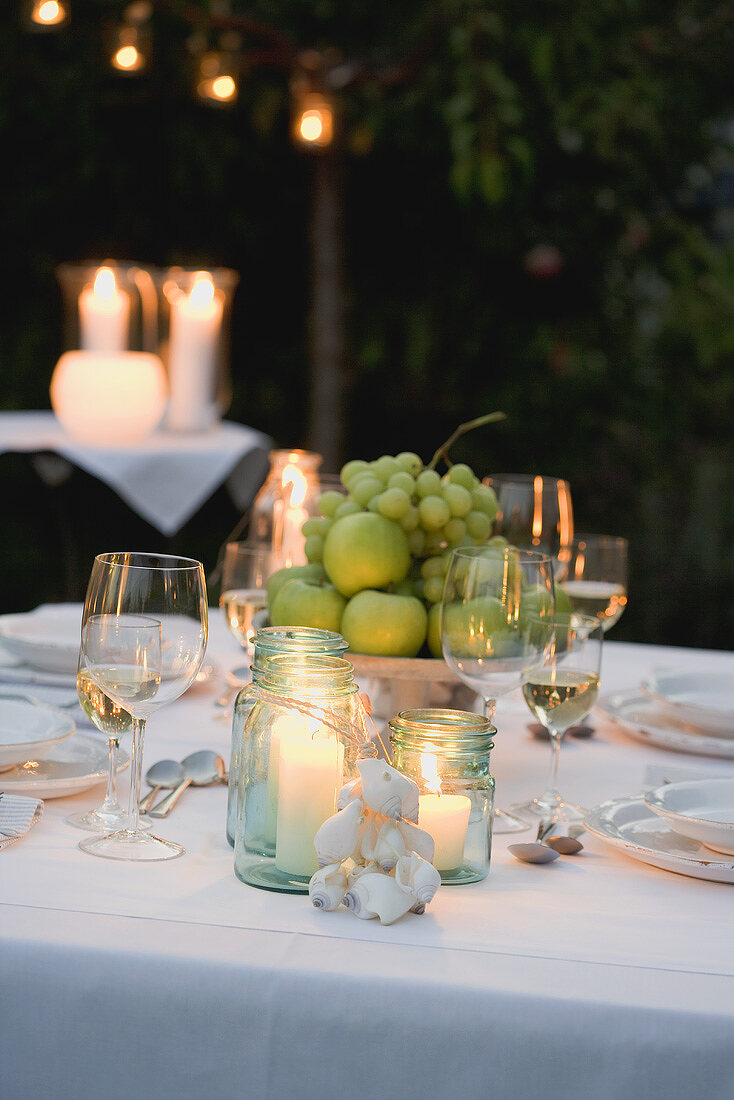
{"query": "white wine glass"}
(495, 612)
(596, 578)
(126, 591)
(560, 694)
(534, 512)
(114, 722)
(246, 570)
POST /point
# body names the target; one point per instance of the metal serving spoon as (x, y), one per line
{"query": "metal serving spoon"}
(159, 777)
(200, 769)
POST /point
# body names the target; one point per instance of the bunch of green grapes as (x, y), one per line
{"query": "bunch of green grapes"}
(437, 513)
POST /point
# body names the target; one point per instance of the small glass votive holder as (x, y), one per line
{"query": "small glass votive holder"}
(447, 752)
(287, 498)
(270, 641)
(195, 321)
(109, 307)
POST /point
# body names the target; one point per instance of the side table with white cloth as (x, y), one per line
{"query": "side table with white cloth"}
(593, 976)
(165, 479)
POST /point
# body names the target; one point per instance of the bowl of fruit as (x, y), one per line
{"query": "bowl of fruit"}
(377, 557)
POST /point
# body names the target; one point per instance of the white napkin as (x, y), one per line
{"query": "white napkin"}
(18, 814)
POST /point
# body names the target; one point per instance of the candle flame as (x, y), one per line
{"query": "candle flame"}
(202, 292)
(104, 284)
(296, 479)
(429, 769)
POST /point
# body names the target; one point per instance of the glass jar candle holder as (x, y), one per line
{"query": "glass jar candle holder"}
(271, 641)
(195, 320)
(109, 307)
(447, 752)
(288, 497)
(301, 742)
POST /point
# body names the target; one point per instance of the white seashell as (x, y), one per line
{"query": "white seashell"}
(350, 791)
(417, 840)
(338, 836)
(418, 878)
(387, 791)
(360, 869)
(369, 837)
(390, 845)
(327, 887)
(377, 895)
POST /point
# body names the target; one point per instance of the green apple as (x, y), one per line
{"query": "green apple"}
(384, 624)
(365, 550)
(314, 572)
(434, 630)
(303, 602)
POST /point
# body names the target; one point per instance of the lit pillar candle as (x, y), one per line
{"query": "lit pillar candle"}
(445, 817)
(196, 321)
(104, 314)
(309, 775)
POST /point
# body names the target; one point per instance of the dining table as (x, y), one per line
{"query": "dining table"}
(595, 976)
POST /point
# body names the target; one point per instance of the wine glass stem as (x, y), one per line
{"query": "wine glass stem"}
(110, 798)
(551, 786)
(136, 764)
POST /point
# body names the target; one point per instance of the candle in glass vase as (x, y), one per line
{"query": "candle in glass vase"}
(445, 817)
(104, 314)
(196, 320)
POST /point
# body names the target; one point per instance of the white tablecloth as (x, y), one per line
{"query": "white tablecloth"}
(165, 478)
(595, 976)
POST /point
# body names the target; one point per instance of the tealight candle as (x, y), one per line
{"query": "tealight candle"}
(104, 314)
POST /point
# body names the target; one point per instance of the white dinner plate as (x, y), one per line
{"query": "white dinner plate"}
(640, 716)
(704, 699)
(702, 809)
(631, 826)
(75, 765)
(29, 729)
(46, 639)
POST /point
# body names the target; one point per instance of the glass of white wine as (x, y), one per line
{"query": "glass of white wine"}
(245, 573)
(141, 665)
(560, 694)
(596, 578)
(114, 722)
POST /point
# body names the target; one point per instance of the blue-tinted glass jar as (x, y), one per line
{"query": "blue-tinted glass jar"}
(272, 641)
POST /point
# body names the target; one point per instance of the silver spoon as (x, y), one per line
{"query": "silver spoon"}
(161, 776)
(200, 769)
(535, 852)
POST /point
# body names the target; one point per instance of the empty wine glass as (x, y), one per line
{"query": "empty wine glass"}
(110, 719)
(596, 578)
(495, 610)
(142, 665)
(246, 570)
(560, 694)
(534, 513)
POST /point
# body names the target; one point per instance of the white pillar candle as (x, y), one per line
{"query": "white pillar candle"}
(108, 400)
(104, 314)
(309, 775)
(446, 818)
(196, 321)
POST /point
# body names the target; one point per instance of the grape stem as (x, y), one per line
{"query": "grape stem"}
(443, 450)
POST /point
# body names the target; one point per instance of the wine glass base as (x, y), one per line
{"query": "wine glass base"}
(97, 821)
(504, 822)
(131, 846)
(557, 811)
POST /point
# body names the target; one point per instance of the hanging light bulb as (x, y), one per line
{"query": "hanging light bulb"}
(217, 77)
(47, 15)
(313, 120)
(131, 49)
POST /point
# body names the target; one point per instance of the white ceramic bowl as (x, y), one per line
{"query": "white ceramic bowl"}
(701, 809)
(29, 730)
(46, 639)
(703, 699)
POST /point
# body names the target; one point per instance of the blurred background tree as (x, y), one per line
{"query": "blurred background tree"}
(538, 217)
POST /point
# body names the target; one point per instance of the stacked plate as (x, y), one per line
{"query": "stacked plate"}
(680, 710)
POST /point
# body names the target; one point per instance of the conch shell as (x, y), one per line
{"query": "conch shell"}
(337, 838)
(417, 840)
(350, 791)
(390, 845)
(387, 791)
(377, 895)
(417, 878)
(328, 887)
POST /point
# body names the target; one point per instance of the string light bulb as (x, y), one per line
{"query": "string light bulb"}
(217, 78)
(131, 49)
(313, 120)
(48, 15)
